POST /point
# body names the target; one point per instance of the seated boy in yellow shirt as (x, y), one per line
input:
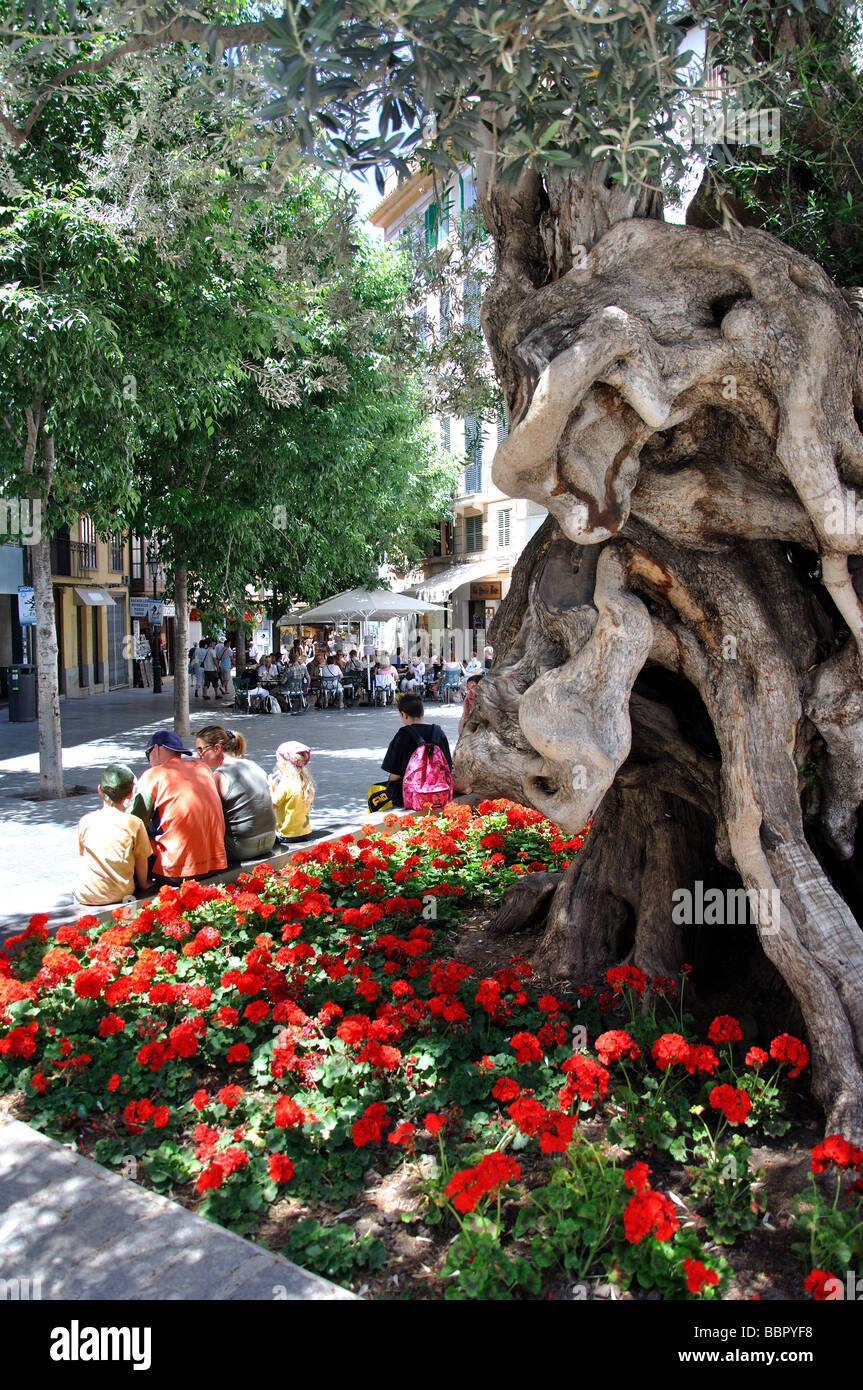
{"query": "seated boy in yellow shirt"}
(114, 846)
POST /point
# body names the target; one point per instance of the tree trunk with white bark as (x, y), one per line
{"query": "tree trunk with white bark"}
(39, 461)
(181, 649)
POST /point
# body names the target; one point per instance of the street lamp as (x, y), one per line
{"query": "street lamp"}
(155, 644)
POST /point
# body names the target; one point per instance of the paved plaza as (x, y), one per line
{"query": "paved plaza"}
(38, 844)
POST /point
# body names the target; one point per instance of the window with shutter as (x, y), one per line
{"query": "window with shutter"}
(473, 537)
(473, 451)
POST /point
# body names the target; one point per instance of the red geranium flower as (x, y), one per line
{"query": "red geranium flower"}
(724, 1028)
(816, 1281)
(526, 1047)
(636, 1177)
(111, 1023)
(649, 1211)
(287, 1113)
(183, 1039)
(211, 1177)
(587, 1080)
(239, 1052)
(784, 1048)
(280, 1167)
(403, 1134)
(670, 1048)
(434, 1122)
(697, 1273)
(734, 1104)
(368, 1128)
(756, 1057)
(622, 977)
(836, 1150)
(614, 1044)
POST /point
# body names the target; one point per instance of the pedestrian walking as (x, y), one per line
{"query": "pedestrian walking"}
(226, 666)
(211, 670)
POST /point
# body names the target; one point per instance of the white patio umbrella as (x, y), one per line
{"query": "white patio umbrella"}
(368, 605)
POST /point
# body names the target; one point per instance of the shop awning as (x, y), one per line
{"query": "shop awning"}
(441, 585)
(93, 598)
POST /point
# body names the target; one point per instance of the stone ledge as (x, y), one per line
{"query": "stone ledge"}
(88, 1234)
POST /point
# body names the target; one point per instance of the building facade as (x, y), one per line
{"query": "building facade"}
(468, 573)
(91, 605)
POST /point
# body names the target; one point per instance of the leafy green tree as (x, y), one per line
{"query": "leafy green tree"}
(67, 434)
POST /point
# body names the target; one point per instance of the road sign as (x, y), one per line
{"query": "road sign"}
(26, 606)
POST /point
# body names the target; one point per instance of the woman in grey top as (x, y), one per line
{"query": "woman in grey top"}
(250, 821)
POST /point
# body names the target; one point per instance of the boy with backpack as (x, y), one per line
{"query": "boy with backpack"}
(418, 760)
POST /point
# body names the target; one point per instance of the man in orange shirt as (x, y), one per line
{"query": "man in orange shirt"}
(178, 798)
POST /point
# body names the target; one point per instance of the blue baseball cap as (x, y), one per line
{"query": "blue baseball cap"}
(166, 738)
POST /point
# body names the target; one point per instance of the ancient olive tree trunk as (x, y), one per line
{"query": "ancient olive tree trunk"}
(682, 655)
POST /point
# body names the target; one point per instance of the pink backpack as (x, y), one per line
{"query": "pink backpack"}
(427, 780)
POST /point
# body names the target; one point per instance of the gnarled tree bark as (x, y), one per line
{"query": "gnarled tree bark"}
(682, 650)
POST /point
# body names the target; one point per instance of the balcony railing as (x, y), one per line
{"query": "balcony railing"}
(73, 558)
(474, 479)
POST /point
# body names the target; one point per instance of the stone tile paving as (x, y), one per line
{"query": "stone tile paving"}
(77, 1232)
(38, 843)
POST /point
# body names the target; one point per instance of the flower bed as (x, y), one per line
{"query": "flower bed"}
(255, 1050)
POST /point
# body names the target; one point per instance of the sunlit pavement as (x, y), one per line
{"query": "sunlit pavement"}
(38, 842)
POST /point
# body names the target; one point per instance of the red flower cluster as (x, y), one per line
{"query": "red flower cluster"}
(816, 1283)
(138, 1112)
(280, 1167)
(698, 1275)
(636, 1177)
(21, 1042)
(837, 1151)
(787, 1048)
(368, 1129)
(222, 1164)
(288, 1114)
(648, 1211)
(724, 1028)
(587, 1080)
(756, 1057)
(671, 1049)
(734, 1104)
(470, 1184)
(615, 1044)
(403, 1134)
(622, 977)
(526, 1046)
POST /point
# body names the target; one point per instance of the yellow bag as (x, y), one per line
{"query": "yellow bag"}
(379, 797)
